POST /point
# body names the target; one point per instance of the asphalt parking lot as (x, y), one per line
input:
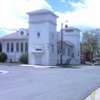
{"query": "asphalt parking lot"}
(27, 83)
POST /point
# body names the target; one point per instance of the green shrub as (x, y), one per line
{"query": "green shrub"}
(3, 57)
(23, 59)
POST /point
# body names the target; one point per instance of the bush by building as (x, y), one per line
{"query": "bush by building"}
(3, 57)
(23, 59)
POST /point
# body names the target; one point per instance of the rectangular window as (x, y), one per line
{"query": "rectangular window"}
(26, 47)
(70, 30)
(12, 47)
(68, 51)
(38, 34)
(52, 35)
(21, 47)
(64, 50)
(72, 54)
(17, 47)
(58, 49)
(7, 47)
(78, 53)
(52, 48)
(38, 49)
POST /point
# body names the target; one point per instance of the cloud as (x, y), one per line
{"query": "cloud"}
(2, 32)
(63, 1)
(13, 12)
(78, 5)
(85, 16)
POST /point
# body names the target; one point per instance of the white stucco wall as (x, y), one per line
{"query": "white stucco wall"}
(42, 17)
(45, 25)
(53, 41)
(42, 40)
(65, 56)
(74, 37)
(13, 55)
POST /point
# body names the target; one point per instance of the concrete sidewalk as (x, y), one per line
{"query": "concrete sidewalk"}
(39, 66)
(94, 95)
(3, 72)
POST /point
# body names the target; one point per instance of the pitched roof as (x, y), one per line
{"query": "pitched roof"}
(69, 43)
(66, 42)
(40, 11)
(71, 28)
(15, 36)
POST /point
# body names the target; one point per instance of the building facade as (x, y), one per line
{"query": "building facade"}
(42, 42)
(15, 44)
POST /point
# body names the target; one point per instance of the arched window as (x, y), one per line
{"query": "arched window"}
(26, 47)
(7, 47)
(21, 47)
(17, 47)
(12, 47)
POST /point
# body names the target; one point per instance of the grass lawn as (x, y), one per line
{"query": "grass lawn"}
(62, 66)
(73, 66)
(10, 64)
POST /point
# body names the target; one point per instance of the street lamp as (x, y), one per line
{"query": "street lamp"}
(61, 51)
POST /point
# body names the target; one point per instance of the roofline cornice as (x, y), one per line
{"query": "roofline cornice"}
(15, 39)
(38, 13)
(42, 21)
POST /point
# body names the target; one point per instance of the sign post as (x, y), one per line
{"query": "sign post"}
(61, 53)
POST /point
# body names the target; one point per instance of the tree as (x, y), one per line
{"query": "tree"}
(0, 47)
(90, 42)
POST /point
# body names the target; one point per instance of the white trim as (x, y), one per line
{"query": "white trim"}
(42, 21)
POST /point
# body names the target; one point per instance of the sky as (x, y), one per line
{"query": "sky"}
(83, 14)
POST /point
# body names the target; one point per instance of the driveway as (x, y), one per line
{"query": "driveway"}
(26, 83)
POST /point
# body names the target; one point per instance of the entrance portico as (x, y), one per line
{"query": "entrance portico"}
(38, 59)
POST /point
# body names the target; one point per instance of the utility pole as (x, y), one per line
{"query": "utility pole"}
(61, 49)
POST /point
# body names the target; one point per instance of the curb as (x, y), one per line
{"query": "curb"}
(95, 95)
(37, 66)
(3, 72)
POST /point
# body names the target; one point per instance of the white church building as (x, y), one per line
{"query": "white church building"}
(42, 42)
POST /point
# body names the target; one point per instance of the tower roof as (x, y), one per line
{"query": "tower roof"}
(41, 11)
(71, 28)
